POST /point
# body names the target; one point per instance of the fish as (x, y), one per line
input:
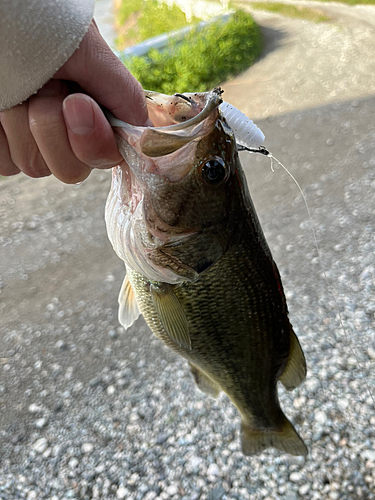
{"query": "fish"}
(198, 267)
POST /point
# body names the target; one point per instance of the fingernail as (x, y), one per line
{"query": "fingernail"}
(79, 114)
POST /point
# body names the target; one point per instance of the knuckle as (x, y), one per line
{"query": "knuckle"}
(43, 125)
(32, 164)
(33, 170)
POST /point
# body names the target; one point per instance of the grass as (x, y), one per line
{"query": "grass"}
(203, 59)
(295, 11)
(138, 20)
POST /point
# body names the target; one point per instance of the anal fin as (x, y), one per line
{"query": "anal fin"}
(285, 438)
(128, 310)
(171, 314)
(204, 382)
(295, 370)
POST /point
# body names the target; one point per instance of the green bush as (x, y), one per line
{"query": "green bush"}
(203, 59)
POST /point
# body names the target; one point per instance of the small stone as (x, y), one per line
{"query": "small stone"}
(342, 403)
(47, 453)
(113, 334)
(151, 495)
(73, 462)
(295, 477)
(122, 492)
(217, 493)
(111, 389)
(87, 447)
(56, 450)
(334, 495)
(295, 460)
(161, 438)
(213, 470)
(318, 433)
(312, 384)
(62, 345)
(299, 402)
(58, 407)
(368, 455)
(99, 469)
(41, 422)
(291, 495)
(172, 490)
(371, 352)
(304, 489)
(321, 417)
(40, 445)
(33, 408)
(32, 495)
(194, 462)
(95, 381)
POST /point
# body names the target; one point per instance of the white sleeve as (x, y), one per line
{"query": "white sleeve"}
(36, 38)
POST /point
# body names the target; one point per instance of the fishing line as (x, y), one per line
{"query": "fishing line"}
(329, 286)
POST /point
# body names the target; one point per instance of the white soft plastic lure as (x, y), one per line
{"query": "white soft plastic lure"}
(248, 135)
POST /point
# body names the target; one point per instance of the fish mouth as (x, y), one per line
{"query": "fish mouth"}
(175, 112)
(168, 147)
(181, 111)
(177, 120)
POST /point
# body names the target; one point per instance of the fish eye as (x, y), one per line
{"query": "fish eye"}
(213, 171)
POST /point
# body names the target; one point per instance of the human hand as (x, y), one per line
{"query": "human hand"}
(67, 134)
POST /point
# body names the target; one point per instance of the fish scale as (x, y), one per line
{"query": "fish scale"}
(236, 338)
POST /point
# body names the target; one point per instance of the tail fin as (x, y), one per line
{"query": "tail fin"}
(285, 439)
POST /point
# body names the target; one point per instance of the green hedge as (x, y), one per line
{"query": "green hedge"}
(203, 60)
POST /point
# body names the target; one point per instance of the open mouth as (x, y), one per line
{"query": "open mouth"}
(178, 120)
(166, 111)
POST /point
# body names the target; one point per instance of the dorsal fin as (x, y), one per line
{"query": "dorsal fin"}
(295, 370)
(128, 310)
(171, 314)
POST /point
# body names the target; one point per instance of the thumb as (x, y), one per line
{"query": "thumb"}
(104, 77)
(90, 135)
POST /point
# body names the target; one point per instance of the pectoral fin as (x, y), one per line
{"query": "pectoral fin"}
(128, 310)
(295, 370)
(171, 314)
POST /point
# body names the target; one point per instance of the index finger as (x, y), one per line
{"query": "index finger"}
(104, 77)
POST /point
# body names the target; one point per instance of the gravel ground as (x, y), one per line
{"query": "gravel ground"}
(89, 411)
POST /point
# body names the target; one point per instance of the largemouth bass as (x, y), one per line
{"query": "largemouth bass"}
(198, 266)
